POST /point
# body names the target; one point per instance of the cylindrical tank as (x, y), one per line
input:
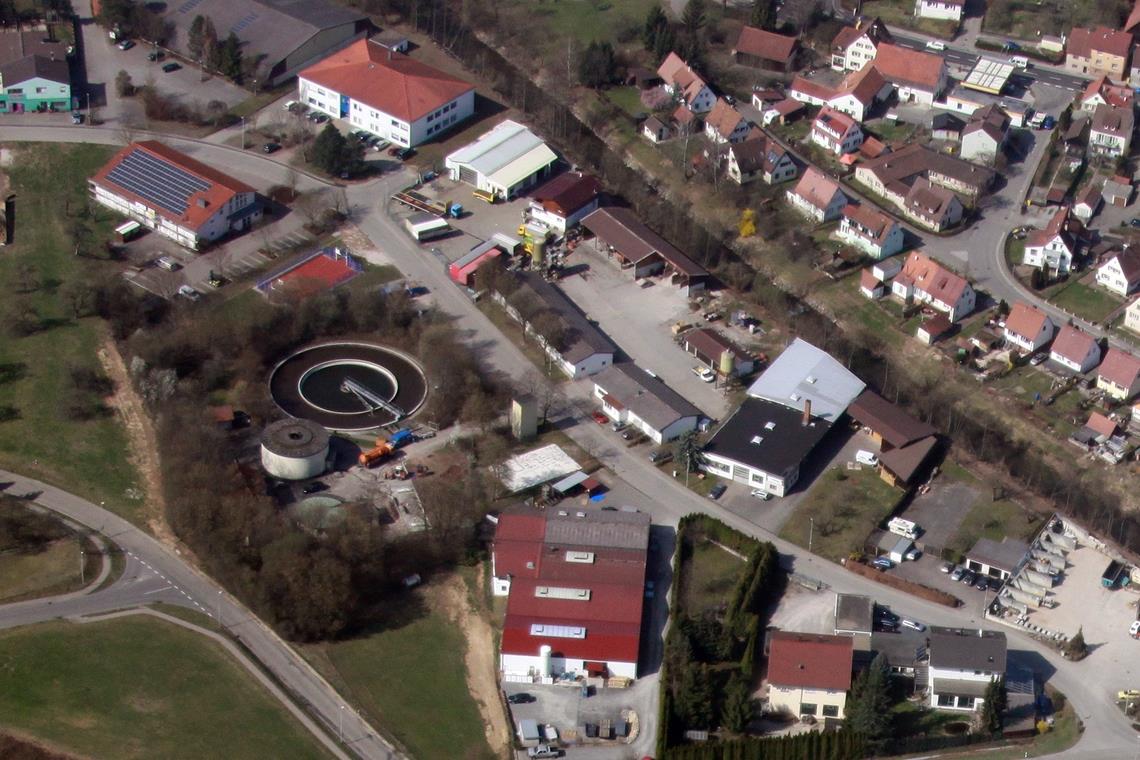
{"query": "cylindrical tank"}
(727, 363)
(294, 449)
(544, 655)
(538, 251)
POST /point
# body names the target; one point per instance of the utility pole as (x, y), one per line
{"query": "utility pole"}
(218, 608)
(82, 567)
(340, 724)
(811, 532)
(243, 133)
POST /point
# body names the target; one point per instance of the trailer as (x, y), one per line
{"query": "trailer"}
(127, 231)
(420, 202)
(1114, 575)
(425, 227)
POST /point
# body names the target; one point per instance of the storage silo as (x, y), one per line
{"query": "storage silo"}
(294, 449)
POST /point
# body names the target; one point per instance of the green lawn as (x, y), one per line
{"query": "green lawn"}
(582, 20)
(627, 99)
(45, 440)
(411, 679)
(901, 13)
(710, 575)
(846, 505)
(52, 570)
(1087, 302)
(988, 517)
(139, 688)
(891, 132)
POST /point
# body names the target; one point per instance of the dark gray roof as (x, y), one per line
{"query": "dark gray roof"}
(967, 649)
(644, 395)
(902, 649)
(295, 438)
(960, 686)
(854, 613)
(597, 528)
(1006, 555)
(34, 66)
(582, 339)
(767, 436)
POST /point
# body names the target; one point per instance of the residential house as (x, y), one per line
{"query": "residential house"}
(575, 587)
(892, 174)
(685, 121)
(984, 136)
(946, 126)
(886, 269)
(817, 196)
(505, 160)
(780, 112)
(931, 330)
(1117, 191)
(1111, 131)
(942, 10)
(1052, 248)
(1119, 374)
(397, 98)
(760, 158)
(809, 674)
(655, 130)
(962, 664)
(717, 352)
(1074, 350)
(855, 46)
(631, 395)
(933, 207)
(1097, 430)
(855, 95)
(724, 124)
(685, 84)
(905, 443)
(997, 559)
(871, 231)
(1028, 328)
(1102, 92)
(836, 132)
(871, 286)
(641, 251)
(34, 72)
(1088, 201)
(564, 201)
(1098, 52)
(764, 49)
(918, 77)
(926, 281)
(790, 408)
(1132, 316)
(1120, 273)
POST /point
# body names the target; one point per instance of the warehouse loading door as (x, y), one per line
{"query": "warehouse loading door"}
(468, 175)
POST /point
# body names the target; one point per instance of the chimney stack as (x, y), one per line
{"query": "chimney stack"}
(807, 411)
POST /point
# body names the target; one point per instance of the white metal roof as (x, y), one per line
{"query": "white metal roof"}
(537, 466)
(505, 155)
(804, 372)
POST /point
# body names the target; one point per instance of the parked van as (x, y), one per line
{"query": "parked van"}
(904, 528)
(1020, 61)
(862, 456)
(936, 45)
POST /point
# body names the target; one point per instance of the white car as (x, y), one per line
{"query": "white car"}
(935, 45)
(189, 293)
(914, 625)
(862, 456)
(761, 494)
(704, 373)
(1134, 631)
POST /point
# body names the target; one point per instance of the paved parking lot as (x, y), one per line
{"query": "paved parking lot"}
(940, 511)
(927, 570)
(801, 609)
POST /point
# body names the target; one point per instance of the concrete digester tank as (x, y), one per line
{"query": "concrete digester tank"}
(294, 449)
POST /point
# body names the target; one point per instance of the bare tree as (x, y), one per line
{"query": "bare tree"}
(291, 179)
(340, 202)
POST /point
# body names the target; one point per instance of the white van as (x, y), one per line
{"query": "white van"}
(862, 456)
(1019, 61)
(904, 528)
(936, 45)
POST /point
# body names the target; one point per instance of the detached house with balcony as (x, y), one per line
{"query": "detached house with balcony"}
(871, 231)
(686, 85)
(760, 158)
(1119, 375)
(1098, 52)
(1120, 273)
(855, 46)
(1111, 132)
(817, 197)
(963, 662)
(926, 281)
(1052, 249)
(1028, 328)
(835, 132)
(1074, 350)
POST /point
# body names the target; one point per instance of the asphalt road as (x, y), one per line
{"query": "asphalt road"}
(166, 567)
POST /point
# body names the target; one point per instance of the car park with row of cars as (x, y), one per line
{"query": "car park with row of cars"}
(964, 575)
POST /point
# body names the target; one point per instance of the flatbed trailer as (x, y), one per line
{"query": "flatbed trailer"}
(420, 202)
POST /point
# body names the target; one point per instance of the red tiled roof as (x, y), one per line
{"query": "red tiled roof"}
(723, 118)
(1114, 95)
(899, 64)
(764, 44)
(815, 188)
(835, 122)
(1101, 425)
(1056, 226)
(788, 107)
(1119, 367)
(868, 281)
(863, 84)
(712, 344)
(1082, 42)
(1129, 261)
(809, 660)
(876, 224)
(1025, 321)
(604, 641)
(872, 147)
(200, 205)
(931, 277)
(387, 81)
(875, 31)
(811, 88)
(567, 192)
(1072, 344)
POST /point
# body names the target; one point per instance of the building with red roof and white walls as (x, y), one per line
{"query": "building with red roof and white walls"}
(386, 93)
(575, 582)
(809, 673)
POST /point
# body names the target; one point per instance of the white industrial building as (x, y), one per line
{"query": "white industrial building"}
(386, 93)
(504, 161)
(174, 195)
(632, 396)
(294, 449)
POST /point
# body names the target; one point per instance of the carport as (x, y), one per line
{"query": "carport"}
(618, 232)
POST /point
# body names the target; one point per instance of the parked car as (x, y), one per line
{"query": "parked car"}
(969, 577)
(167, 263)
(982, 583)
(912, 555)
(660, 457)
(957, 573)
(947, 567)
(171, 67)
(405, 153)
(1134, 630)
(994, 583)
(290, 105)
(76, 117)
(1038, 359)
(935, 45)
(189, 293)
(521, 698)
(270, 147)
(862, 456)
(617, 425)
(882, 563)
(126, 44)
(600, 418)
(544, 750)
(704, 373)
(761, 494)
(913, 625)
(1135, 221)
(155, 55)
(717, 491)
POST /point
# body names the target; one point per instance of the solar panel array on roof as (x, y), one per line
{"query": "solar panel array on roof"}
(188, 6)
(241, 25)
(158, 182)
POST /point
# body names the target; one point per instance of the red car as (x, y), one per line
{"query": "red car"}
(600, 418)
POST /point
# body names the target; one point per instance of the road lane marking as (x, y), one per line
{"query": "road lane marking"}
(157, 590)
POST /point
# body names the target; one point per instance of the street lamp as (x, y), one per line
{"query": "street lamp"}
(243, 133)
(811, 532)
(340, 724)
(218, 608)
(82, 567)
